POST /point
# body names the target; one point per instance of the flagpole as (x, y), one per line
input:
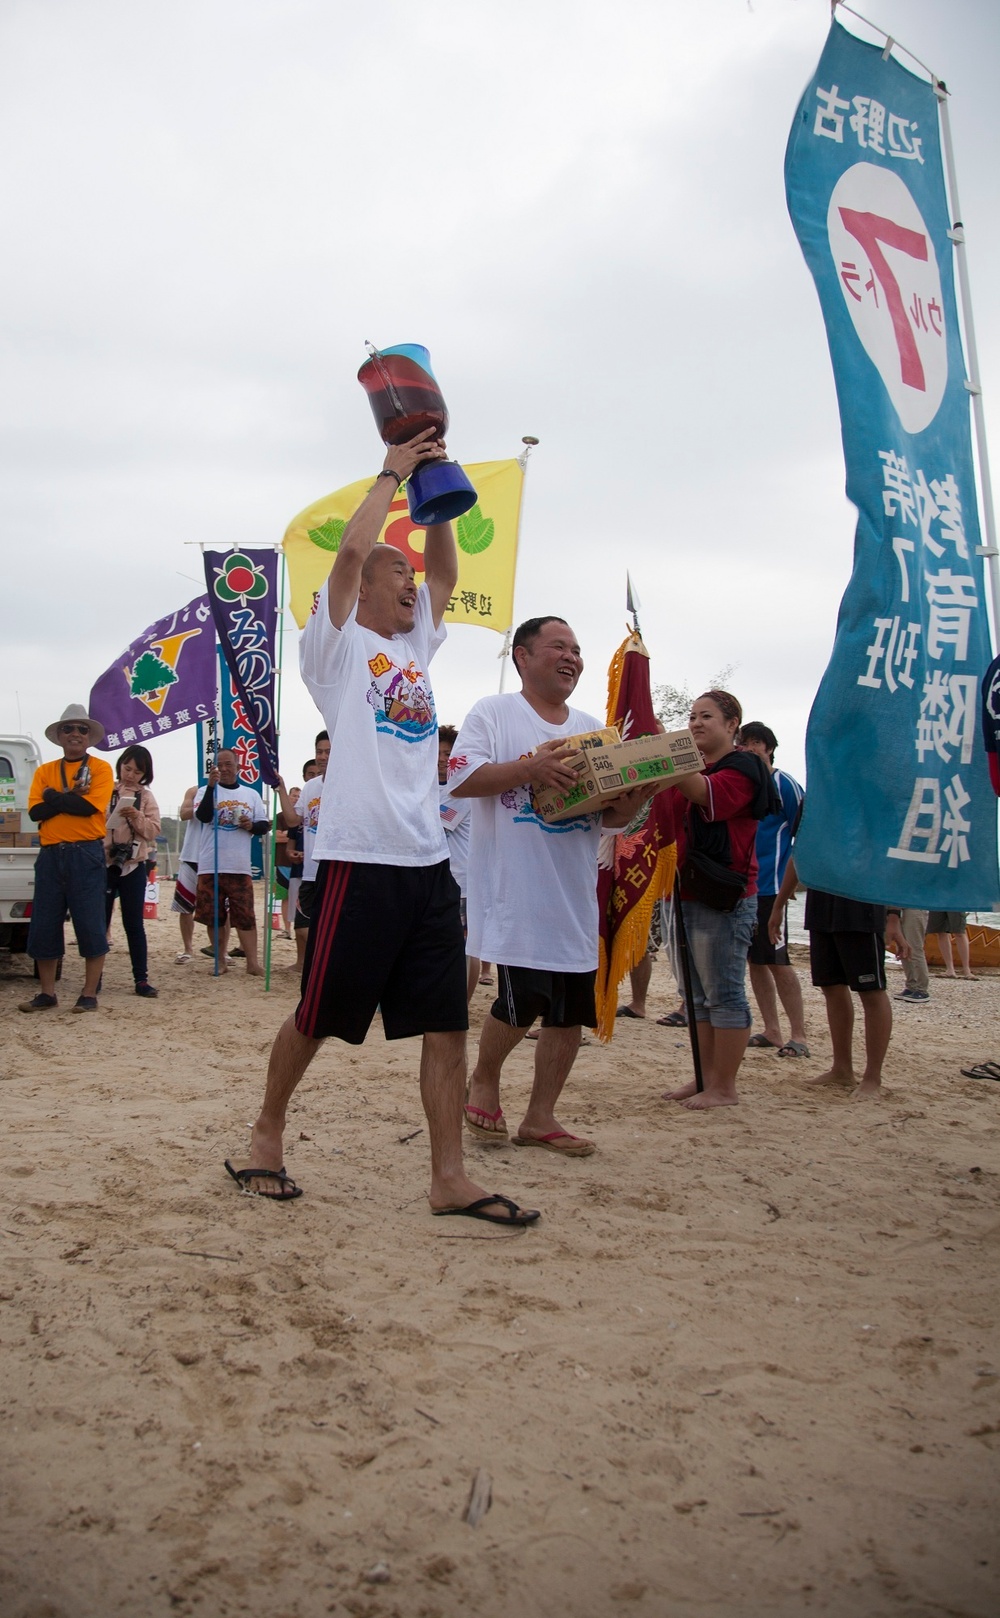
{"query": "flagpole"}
(272, 858)
(956, 235)
(989, 551)
(529, 443)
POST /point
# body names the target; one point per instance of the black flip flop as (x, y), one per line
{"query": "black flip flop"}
(626, 1011)
(289, 1190)
(983, 1070)
(477, 1210)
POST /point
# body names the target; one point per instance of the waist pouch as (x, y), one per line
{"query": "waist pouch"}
(710, 883)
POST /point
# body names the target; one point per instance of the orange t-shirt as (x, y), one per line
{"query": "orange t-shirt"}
(65, 828)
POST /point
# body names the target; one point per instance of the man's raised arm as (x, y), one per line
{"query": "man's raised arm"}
(361, 534)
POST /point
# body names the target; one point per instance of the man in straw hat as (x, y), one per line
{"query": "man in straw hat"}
(68, 802)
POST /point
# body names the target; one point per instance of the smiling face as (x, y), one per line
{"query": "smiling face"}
(712, 731)
(550, 665)
(74, 740)
(387, 599)
(322, 758)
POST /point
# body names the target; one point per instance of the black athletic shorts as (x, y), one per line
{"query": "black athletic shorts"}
(304, 903)
(856, 959)
(561, 999)
(383, 937)
(762, 952)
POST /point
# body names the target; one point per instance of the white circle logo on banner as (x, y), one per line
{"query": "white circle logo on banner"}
(888, 274)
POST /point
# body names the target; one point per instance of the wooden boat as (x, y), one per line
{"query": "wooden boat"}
(984, 947)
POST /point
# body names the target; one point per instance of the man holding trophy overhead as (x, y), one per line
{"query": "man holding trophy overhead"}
(385, 930)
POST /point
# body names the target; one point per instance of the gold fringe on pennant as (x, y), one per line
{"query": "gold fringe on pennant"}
(628, 945)
(632, 643)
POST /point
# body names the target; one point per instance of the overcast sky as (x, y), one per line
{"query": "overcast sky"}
(579, 210)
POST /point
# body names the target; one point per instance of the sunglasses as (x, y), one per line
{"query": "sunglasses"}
(75, 730)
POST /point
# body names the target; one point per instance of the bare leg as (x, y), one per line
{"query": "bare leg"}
(639, 984)
(301, 935)
(706, 1050)
(248, 944)
(47, 976)
(786, 981)
(840, 1017)
(727, 1046)
(962, 946)
(555, 1053)
(485, 976)
(496, 1042)
(291, 1054)
(877, 1009)
(944, 945)
(473, 969)
(763, 985)
(93, 967)
(186, 924)
(442, 1087)
(284, 914)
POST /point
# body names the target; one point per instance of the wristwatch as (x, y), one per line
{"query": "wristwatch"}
(387, 472)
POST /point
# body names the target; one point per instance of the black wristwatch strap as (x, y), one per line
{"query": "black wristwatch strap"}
(387, 472)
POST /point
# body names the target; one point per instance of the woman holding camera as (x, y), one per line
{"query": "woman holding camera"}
(717, 866)
(133, 827)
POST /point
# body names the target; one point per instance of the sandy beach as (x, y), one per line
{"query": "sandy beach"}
(746, 1364)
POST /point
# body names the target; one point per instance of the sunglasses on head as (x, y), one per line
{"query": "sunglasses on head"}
(75, 730)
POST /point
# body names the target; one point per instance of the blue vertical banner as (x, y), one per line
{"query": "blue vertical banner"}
(243, 595)
(899, 806)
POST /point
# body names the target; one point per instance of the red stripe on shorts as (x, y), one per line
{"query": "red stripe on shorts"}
(324, 927)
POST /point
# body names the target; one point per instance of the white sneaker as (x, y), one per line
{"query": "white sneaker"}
(182, 958)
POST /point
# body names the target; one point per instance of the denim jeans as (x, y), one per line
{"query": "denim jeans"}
(131, 893)
(68, 876)
(718, 941)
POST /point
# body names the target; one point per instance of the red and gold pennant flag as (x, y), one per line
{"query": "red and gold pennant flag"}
(636, 868)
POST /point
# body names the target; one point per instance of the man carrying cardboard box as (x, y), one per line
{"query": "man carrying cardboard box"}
(532, 885)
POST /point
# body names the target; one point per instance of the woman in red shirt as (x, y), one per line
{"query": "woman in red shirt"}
(719, 819)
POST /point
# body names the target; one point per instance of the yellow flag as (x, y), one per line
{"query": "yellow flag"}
(486, 535)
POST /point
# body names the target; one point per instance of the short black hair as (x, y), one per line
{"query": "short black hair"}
(310, 764)
(324, 736)
(140, 756)
(754, 731)
(447, 733)
(527, 633)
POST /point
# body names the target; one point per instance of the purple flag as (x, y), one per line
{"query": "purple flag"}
(163, 681)
(243, 595)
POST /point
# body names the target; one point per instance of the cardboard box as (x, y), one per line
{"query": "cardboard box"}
(7, 839)
(607, 768)
(26, 839)
(10, 820)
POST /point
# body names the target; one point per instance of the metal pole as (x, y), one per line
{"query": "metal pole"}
(989, 552)
(529, 443)
(272, 860)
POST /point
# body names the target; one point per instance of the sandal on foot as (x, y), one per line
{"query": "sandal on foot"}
(673, 1019)
(794, 1047)
(497, 1136)
(760, 1042)
(479, 1210)
(288, 1189)
(41, 1002)
(626, 1011)
(575, 1145)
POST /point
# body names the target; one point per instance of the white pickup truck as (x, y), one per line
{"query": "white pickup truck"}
(19, 759)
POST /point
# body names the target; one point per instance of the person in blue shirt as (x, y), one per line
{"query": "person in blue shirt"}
(772, 976)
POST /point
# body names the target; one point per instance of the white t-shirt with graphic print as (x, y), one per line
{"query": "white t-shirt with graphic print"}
(456, 819)
(380, 797)
(235, 844)
(307, 809)
(532, 888)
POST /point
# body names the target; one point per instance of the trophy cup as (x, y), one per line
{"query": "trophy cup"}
(405, 400)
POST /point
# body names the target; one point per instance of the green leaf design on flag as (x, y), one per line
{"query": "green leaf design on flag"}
(150, 674)
(475, 532)
(329, 536)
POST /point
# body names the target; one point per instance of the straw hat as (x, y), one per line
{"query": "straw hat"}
(75, 714)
